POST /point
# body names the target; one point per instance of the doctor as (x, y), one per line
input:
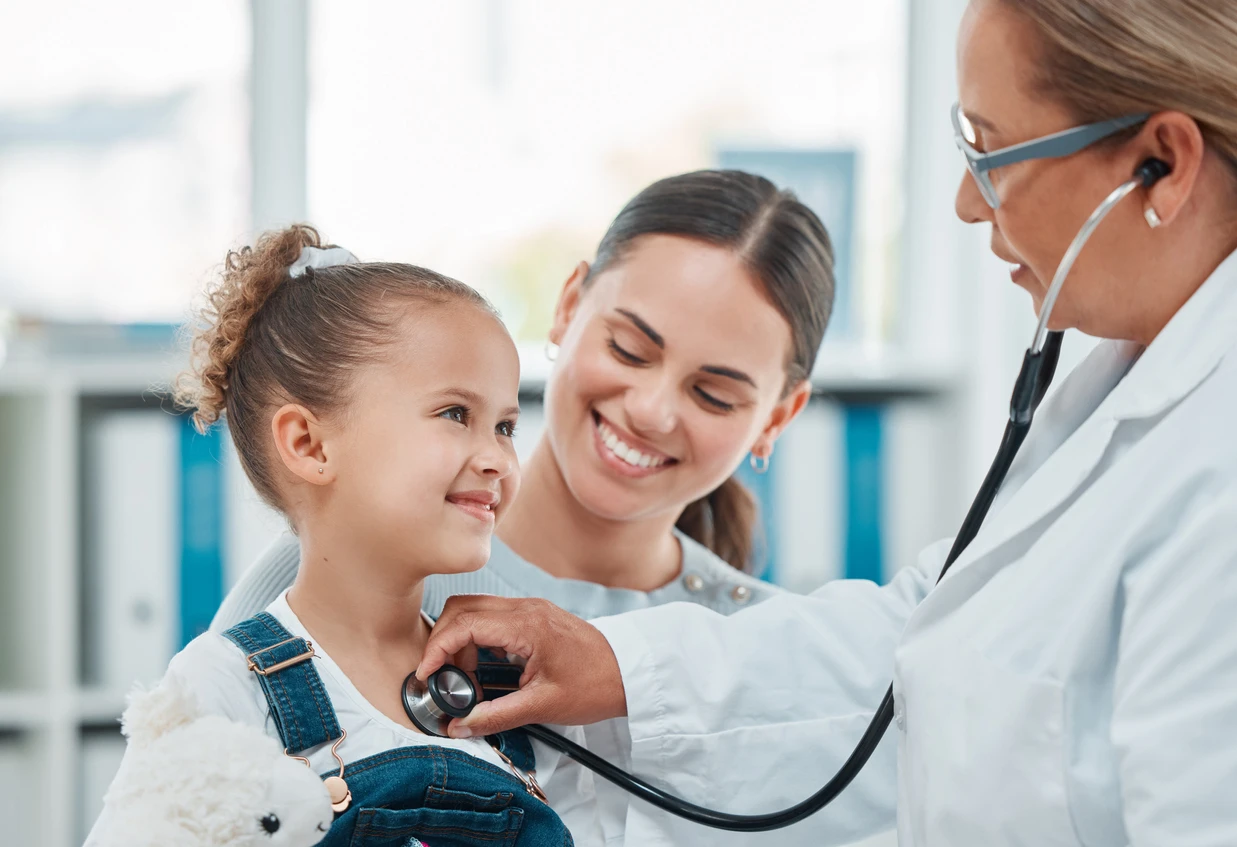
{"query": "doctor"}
(1073, 679)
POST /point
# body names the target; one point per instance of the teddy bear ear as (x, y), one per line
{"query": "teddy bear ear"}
(156, 712)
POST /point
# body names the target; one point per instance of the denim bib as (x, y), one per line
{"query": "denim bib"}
(408, 796)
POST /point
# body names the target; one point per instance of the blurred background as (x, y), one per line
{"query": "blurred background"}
(492, 140)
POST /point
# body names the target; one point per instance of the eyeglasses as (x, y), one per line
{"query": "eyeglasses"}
(1064, 143)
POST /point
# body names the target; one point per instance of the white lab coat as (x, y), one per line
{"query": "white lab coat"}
(1072, 680)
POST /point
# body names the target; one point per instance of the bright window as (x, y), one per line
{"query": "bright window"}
(123, 154)
(494, 140)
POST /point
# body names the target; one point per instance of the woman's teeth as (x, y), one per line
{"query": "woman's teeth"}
(628, 454)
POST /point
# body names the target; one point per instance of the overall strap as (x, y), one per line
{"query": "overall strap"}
(294, 691)
(499, 677)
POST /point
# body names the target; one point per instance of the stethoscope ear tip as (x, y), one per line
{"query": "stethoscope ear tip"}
(1152, 171)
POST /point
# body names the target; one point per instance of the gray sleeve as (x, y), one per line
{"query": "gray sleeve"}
(264, 581)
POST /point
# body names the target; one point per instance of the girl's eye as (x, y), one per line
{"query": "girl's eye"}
(506, 428)
(720, 405)
(456, 413)
(629, 358)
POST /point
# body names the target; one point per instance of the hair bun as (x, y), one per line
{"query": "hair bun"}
(250, 276)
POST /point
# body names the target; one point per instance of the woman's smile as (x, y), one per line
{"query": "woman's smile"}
(625, 453)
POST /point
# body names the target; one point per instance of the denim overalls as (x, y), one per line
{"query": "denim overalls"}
(408, 796)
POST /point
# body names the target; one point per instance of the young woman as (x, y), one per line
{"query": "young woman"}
(683, 347)
(374, 405)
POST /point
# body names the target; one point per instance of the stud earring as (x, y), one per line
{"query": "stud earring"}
(321, 470)
(551, 350)
(1153, 219)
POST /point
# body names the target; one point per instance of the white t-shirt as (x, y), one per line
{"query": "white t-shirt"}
(215, 670)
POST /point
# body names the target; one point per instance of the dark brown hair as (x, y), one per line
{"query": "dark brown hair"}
(265, 339)
(786, 249)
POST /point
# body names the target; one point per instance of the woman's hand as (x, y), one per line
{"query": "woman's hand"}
(570, 673)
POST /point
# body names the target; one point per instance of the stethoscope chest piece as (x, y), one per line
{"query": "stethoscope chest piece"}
(447, 694)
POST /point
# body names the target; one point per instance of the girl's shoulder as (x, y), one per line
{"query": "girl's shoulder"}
(215, 670)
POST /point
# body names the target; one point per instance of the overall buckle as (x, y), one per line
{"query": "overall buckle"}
(286, 663)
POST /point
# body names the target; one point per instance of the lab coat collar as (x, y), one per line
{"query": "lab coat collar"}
(1186, 350)
(1073, 430)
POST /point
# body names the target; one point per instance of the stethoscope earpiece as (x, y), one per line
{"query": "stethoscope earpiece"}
(430, 705)
(1152, 171)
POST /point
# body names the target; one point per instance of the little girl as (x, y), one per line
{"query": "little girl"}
(374, 405)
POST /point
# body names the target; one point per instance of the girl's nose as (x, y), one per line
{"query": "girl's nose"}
(495, 460)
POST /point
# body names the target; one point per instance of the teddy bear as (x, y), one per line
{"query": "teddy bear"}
(193, 780)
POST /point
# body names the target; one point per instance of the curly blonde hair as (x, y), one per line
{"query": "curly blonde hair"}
(264, 339)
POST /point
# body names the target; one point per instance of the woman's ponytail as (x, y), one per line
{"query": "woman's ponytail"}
(725, 521)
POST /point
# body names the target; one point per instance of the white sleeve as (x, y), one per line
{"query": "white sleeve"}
(261, 584)
(754, 712)
(1175, 688)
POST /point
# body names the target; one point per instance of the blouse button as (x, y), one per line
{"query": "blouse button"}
(741, 594)
(693, 583)
(899, 717)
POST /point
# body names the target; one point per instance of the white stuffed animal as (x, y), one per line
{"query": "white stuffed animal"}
(193, 780)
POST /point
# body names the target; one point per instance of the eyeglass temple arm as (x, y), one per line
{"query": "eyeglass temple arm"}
(1063, 143)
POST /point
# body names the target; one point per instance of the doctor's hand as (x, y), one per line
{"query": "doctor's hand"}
(570, 675)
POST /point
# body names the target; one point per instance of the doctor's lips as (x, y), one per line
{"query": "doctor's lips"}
(626, 453)
(480, 504)
(1016, 269)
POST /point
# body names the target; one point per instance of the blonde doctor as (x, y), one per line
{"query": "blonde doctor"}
(1073, 679)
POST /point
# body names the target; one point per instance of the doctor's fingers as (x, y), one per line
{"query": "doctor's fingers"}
(573, 679)
(471, 621)
(533, 704)
(571, 675)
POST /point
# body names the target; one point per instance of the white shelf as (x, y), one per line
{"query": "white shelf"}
(882, 370)
(110, 374)
(99, 707)
(22, 710)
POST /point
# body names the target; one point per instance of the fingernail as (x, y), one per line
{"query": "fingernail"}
(460, 732)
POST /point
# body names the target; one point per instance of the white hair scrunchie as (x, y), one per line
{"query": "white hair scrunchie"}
(319, 257)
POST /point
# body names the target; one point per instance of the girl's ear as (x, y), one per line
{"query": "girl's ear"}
(783, 413)
(568, 302)
(299, 440)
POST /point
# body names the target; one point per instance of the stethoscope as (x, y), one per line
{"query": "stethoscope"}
(450, 693)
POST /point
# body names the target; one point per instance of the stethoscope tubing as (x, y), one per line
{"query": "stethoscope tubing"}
(1042, 368)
